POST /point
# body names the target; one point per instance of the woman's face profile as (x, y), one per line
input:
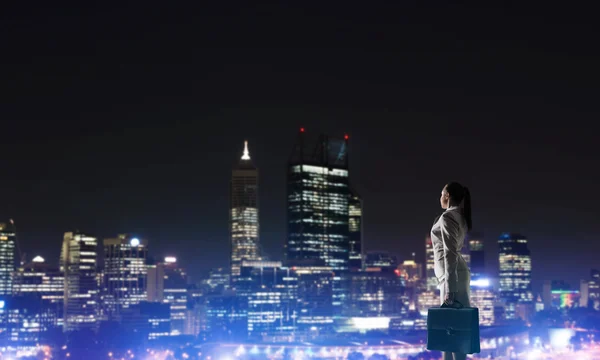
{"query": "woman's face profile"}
(444, 199)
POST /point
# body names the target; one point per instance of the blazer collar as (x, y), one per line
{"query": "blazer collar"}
(452, 208)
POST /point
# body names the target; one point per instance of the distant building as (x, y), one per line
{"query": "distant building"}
(515, 273)
(476, 256)
(431, 279)
(318, 205)
(44, 284)
(378, 292)
(483, 297)
(218, 281)
(355, 223)
(243, 214)
(8, 238)
(78, 262)
(381, 259)
(125, 274)
(271, 293)
(168, 283)
(594, 289)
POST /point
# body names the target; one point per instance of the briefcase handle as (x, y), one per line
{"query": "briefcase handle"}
(460, 305)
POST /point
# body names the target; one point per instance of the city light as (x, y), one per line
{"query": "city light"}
(134, 242)
(170, 259)
(480, 283)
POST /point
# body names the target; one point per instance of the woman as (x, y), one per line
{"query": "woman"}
(448, 237)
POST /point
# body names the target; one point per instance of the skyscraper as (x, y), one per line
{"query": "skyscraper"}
(355, 231)
(78, 261)
(7, 257)
(515, 273)
(430, 266)
(318, 210)
(125, 274)
(318, 203)
(477, 256)
(243, 213)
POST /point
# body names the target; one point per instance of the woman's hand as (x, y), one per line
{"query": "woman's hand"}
(449, 300)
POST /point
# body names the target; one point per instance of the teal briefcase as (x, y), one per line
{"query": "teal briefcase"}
(453, 330)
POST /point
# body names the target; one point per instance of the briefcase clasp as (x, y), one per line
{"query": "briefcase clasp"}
(450, 331)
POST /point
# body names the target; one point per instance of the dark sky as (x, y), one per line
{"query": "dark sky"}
(129, 119)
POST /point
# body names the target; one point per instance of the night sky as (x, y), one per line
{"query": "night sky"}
(129, 119)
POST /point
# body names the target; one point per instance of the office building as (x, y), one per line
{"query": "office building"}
(78, 262)
(477, 256)
(355, 224)
(243, 214)
(270, 289)
(8, 238)
(431, 279)
(515, 273)
(43, 284)
(483, 297)
(318, 204)
(175, 293)
(594, 289)
(377, 292)
(125, 274)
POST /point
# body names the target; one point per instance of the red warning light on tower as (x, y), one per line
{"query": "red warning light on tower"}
(301, 129)
(346, 137)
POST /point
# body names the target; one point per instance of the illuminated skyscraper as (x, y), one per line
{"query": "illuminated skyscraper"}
(125, 274)
(243, 214)
(515, 273)
(594, 289)
(175, 294)
(7, 257)
(430, 277)
(477, 256)
(483, 298)
(318, 203)
(355, 234)
(44, 284)
(318, 209)
(78, 262)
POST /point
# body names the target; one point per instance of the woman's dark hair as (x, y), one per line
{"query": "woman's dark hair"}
(460, 194)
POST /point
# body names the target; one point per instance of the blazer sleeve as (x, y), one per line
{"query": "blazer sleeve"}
(450, 233)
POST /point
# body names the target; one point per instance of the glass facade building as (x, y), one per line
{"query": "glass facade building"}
(243, 214)
(477, 256)
(78, 263)
(431, 280)
(355, 231)
(270, 290)
(8, 237)
(42, 283)
(125, 274)
(515, 273)
(318, 199)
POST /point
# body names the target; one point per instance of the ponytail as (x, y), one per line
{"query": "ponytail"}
(467, 208)
(461, 196)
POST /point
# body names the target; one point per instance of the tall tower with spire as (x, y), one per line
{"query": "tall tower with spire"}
(243, 213)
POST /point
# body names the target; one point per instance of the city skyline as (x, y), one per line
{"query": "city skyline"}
(131, 128)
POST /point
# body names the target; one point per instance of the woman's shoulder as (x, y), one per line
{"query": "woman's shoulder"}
(453, 217)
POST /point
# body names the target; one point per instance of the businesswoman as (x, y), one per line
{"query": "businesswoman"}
(448, 237)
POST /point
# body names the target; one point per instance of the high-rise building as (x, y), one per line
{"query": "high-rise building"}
(381, 259)
(483, 298)
(125, 274)
(355, 231)
(78, 262)
(270, 289)
(43, 283)
(432, 283)
(515, 273)
(318, 209)
(243, 214)
(594, 289)
(175, 294)
(477, 256)
(8, 238)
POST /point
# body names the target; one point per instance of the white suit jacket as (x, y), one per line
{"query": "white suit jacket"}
(447, 238)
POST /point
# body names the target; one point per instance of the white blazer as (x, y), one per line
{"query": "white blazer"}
(447, 238)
